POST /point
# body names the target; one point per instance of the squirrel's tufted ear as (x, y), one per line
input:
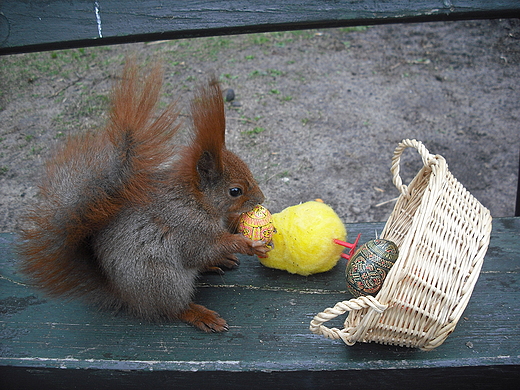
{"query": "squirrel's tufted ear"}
(207, 110)
(207, 168)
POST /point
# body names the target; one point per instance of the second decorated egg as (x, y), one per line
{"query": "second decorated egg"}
(367, 269)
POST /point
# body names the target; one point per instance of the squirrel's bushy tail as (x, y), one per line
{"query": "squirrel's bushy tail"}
(90, 178)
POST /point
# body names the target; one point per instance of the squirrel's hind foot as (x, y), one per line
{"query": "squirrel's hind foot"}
(204, 319)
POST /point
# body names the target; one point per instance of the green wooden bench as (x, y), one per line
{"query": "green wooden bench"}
(34, 25)
(52, 343)
(47, 343)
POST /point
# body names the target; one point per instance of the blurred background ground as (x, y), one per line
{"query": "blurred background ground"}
(317, 113)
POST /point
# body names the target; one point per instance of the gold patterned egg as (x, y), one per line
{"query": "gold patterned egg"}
(367, 268)
(257, 224)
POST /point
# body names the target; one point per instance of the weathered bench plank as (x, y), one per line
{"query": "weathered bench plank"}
(51, 342)
(36, 25)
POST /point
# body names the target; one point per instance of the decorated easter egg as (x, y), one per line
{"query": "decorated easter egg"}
(367, 269)
(257, 224)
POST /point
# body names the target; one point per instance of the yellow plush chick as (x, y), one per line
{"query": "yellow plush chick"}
(303, 241)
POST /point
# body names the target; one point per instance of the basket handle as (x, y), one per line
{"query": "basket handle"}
(427, 159)
(340, 308)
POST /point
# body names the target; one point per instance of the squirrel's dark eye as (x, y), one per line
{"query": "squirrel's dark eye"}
(235, 191)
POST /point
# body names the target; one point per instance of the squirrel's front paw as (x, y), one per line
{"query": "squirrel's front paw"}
(228, 262)
(260, 248)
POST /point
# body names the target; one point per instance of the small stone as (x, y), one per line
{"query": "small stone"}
(229, 95)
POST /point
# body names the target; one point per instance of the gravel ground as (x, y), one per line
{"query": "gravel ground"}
(316, 114)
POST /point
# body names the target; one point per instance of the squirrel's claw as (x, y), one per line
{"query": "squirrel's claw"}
(229, 262)
(260, 248)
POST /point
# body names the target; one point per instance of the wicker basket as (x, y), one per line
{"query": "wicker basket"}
(442, 233)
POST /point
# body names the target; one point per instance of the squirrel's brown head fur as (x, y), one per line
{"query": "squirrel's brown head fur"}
(218, 177)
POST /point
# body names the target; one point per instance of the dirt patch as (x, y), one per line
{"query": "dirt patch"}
(317, 114)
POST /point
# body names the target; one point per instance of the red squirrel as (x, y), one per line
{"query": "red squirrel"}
(129, 220)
